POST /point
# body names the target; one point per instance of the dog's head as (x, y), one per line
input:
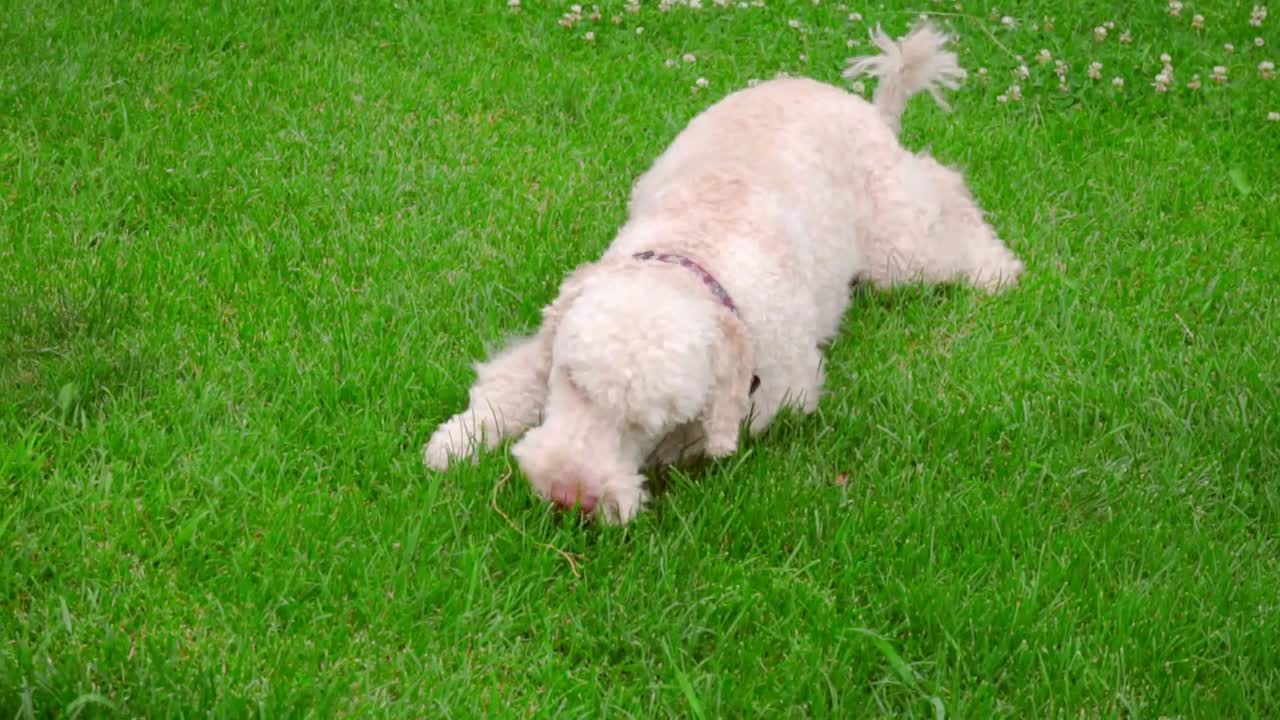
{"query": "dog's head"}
(636, 351)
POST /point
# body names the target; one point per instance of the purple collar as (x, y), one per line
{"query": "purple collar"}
(707, 279)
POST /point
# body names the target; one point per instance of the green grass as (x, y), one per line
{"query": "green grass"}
(249, 250)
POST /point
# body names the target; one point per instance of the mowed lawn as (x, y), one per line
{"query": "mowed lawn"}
(249, 250)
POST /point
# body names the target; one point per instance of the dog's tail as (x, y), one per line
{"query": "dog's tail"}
(919, 61)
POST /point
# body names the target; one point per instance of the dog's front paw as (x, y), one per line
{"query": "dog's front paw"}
(620, 506)
(721, 446)
(449, 442)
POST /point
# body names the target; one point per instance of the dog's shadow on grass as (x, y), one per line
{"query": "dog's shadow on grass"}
(662, 478)
(864, 295)
(694, 467)
(791, 421)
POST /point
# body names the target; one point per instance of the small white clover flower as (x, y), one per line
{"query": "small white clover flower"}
(1126, 37)
(1100, 33)
(851, 43)
(982, 73)
(1162, 81)
(590, 36)
(1219, 74)
(1022, 72)
(793, 24)
(514, 5)
(1095, 70)
(1117, 82)
(670, 62)
(1273, 116)
(1060, 69)
(855, 17)
(1008, 22)
(1175, 8)
(1267, 69)
(1229, 48)
(1002, 98)
(858, 87)
(1197, 22)
(1258, 15)
(701, 82)
(1048, 24)
(1164, 58)
(689, 57)
(1259, 42)
(1195, 82)
(1110, 24)
(1044, 56)
(640, 30)
(1015, 93)
(632, 6)
(804, 58)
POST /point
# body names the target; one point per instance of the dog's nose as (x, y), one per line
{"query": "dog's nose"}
(567, 496)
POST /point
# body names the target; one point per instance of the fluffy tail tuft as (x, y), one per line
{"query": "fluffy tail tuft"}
(919, 61)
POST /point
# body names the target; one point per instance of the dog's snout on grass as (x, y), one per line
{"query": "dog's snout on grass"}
(568, 495)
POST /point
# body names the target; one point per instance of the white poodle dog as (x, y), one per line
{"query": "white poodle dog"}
(712, 305)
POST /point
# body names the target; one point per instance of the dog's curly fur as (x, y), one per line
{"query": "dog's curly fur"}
(785, 193)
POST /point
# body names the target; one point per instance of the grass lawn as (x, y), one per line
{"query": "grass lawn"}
(248, 251)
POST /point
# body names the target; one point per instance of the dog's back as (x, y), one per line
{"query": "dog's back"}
(776, 171)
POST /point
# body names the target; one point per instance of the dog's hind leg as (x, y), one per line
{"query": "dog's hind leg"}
(506, 399)
(928, 228)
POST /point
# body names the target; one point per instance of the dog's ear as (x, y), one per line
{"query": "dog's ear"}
(535, 350)
(730, 398)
